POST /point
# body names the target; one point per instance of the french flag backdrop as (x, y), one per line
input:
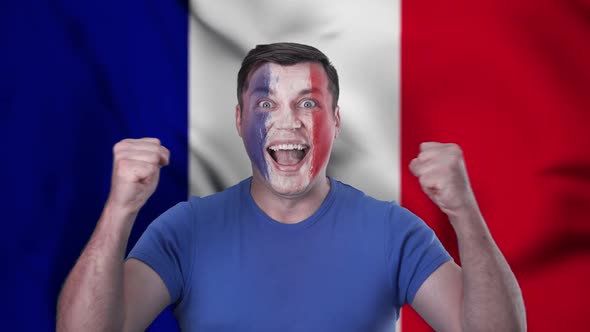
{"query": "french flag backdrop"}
(507, 80)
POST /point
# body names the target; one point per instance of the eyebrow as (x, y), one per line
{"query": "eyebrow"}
(309, 91)
(262, 89)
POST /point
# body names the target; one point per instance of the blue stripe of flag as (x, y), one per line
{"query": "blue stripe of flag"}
(76, 77)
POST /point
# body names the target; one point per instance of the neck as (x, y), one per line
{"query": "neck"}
(290, 209)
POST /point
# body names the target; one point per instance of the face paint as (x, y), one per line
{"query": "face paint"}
(256, 121)
(322, 135)
(288, 126)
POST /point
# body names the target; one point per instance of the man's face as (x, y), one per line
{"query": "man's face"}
(288, 125)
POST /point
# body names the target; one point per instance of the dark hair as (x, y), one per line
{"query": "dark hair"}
(286, 54)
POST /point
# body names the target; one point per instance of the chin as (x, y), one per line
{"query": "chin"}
(289, 185)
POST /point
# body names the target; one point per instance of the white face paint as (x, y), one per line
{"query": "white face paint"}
(288, 125)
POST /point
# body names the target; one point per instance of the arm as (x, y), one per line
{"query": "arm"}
(102, 293)
(483, 295)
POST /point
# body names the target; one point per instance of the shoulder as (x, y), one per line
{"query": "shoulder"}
(221, 201)
(225, 195)
(353, 198)
(346, 192)
(389, 216)
(184, 215)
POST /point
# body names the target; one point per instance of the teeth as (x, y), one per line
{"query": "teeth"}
(287, 147)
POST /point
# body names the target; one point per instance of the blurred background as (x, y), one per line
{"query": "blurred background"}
(508, 81)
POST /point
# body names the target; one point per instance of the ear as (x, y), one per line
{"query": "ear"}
(239, 120)
(337, 119)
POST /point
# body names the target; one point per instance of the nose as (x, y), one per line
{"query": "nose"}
(287, 118)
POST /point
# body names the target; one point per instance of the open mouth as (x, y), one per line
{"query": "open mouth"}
(288, 154)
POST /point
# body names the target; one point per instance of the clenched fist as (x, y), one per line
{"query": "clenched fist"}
(136, 171)
(442, 174)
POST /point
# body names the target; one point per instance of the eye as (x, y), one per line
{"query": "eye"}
(307, 103)
(265, 104)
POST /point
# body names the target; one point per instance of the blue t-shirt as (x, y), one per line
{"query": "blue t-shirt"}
(348, 267)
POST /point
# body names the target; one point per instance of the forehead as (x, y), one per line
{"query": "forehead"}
(301, 75)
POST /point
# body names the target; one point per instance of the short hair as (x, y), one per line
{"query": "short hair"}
(286, 54)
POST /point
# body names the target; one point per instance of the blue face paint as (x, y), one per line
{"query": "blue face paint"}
(255, 119)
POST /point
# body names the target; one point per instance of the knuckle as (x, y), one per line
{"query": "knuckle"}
(455, 148)
(424, 146)
(154, 140)
(118, 147)
(165, 154)
(153, 158)
(415, 166)
(422, 156)
(165, 151)
(122, 145)
(124, 164)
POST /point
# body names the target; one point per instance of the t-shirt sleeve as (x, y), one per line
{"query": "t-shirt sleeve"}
(415, 252)
(167, 246)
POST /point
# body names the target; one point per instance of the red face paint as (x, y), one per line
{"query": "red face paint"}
(323, 125)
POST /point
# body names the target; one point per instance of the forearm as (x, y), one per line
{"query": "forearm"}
(92, 297)
(492, 298)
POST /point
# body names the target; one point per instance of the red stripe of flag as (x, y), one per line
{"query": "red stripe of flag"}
(510, 82)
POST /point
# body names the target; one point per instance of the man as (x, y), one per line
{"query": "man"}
(289, 249)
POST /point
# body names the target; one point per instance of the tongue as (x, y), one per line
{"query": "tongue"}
(288, 157)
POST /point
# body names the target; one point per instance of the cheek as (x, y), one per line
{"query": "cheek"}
(256, 139)
(322, 141)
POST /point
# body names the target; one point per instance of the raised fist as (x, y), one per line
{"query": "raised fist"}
(442, 174)
(136, 171)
